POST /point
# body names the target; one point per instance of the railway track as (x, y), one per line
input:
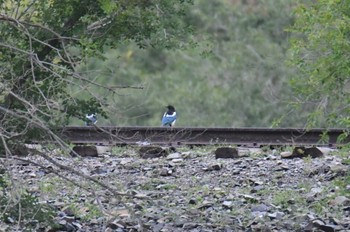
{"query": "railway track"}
(252, 137)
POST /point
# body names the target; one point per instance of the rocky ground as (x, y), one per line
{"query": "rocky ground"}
(186, 189)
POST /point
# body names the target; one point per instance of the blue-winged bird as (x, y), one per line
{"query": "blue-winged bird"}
(91, 119)
(169, 117)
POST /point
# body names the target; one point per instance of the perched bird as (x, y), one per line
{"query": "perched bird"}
(169, 117)
(91, 119)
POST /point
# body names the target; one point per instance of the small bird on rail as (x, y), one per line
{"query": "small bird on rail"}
(91, 119)
(169, 117)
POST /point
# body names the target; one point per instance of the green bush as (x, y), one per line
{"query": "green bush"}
(25, 210)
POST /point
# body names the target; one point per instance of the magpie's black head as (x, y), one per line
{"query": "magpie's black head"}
(171, 108)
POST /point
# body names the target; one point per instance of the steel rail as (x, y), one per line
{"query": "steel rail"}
(202, 136)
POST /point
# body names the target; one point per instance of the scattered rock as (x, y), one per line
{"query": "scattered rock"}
(276, 215)
(165, 172)
(216, 166)
(339, 170)
(177, 160)
(158, 227)
(282, 167)
(126, 161)
(175, 155)
(256, 189)
(116, 224)
(213, 167)
(66, 226)
(319, 224)
(259, 193)
(260, 208)
(206, 204)
(192, 201)
(122, 213)
(99, 171)
(228, 204)
(189, 226)
(318, 170)
(286, 154)
(327, 228)
(340, 201)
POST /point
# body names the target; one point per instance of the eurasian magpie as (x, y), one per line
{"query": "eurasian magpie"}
(91, 119)
(169, 117)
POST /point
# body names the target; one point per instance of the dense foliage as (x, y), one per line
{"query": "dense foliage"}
(320, 51)
(43, 42)
(235, 75)
(62, 60)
